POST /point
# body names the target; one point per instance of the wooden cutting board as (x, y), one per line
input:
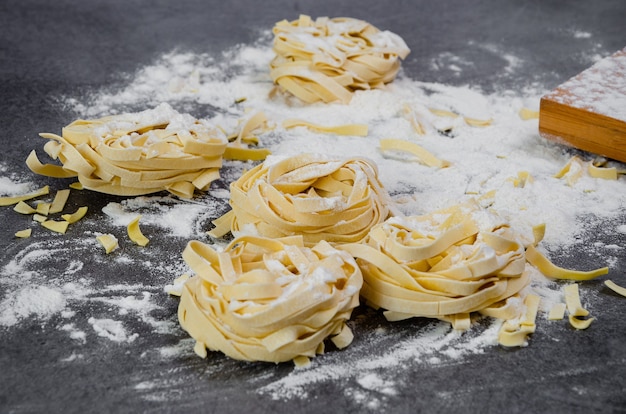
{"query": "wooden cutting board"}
(589, 110)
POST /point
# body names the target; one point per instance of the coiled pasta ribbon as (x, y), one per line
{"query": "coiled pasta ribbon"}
(327, 59)
(268, 299)
(136, 153)
(441, 265)
(320, 198)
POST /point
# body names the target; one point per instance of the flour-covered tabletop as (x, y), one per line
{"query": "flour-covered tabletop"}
(86, 327)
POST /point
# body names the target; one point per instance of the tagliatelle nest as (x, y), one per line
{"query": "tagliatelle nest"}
(268, 300)
(321, 198)
(137, 153)
(442, 265)
(328, 59)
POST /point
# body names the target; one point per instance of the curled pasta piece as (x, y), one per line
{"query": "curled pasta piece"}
(136, 153)
(10, 200)
(440, 265)
(577, 168)
(108, 241)
(423, 156)
(267, 299)
(615, 287)
(318, 197)
(134, 232)
(549, 269)
(328, 59)
(575, 308)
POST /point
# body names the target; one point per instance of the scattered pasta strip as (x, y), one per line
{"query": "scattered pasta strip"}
(572, 171)
(575, 308)
(108, 241)
(134, 232)
(328, 59)
(43, 208)
(523, 178)
(572, 300)
(513, 334)
(420, 153)
(359, 130)
(575, 169)
(76, 186)
(320, 198)
(74, 217)
(56, 226)
(39, 218)
(265, 299)
(8, 201)
(136, 153)
(23, 208)
(58, 204)
(23, 234)
(606, 173)
(551, 270)
(238, 147)
(557, 312)
(451, 262)
(527, 114)
(615, 287)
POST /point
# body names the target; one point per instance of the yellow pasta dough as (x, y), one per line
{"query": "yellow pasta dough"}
(24, 234)
(108, 241)
(440, 265)
(135, 234)
(137, 153)
(77, 215)
(7, 201)
(321, 198)
(615, 287)
(328, 59)
(272, 300)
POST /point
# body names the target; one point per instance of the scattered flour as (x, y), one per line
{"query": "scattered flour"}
(112, 329)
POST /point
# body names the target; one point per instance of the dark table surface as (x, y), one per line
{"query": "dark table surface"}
(72, 48)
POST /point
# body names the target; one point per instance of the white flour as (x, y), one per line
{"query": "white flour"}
(481, 159)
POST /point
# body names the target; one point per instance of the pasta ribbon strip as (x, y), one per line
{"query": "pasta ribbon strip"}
(420, 153)
(549, 269)
(237, 150)
(77, 215)
(575, 308)
(328, 59)
(8, 201)
(267, 299)
(350, 129)
(320, 198)
(134, 232)
(23, 234)
(615, 287)
(108, 241)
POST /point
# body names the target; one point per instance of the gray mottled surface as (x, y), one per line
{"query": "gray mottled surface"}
(61, 48)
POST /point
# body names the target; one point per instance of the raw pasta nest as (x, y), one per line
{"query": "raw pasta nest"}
(327, 59)
(269, 300)
(137, 153)
(318, 197)
(441, 265)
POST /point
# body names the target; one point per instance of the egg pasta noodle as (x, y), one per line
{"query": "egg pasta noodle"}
(272, 300)
(328, 59)
(136, 153)
(320, 198)
(443, 265)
